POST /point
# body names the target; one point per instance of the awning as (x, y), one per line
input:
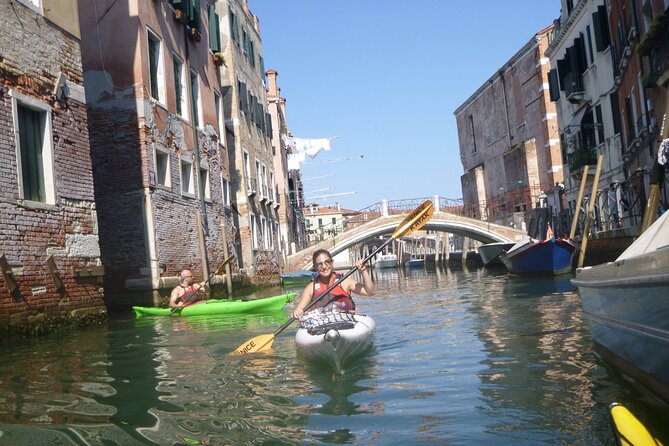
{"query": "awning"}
(577, 117)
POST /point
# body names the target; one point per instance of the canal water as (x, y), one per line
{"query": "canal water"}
(461, 357)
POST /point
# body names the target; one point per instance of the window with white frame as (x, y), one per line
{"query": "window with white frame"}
(265, 191)
(259, 173)
(219, 119)
(225, 187)
(163, 174)
(180, 86)
(205, 188)
(272, 191)
(187, 184)
(247, 170)
(156, 71)
(254, 231)
(34, 148)
(263, 231)
(195, 99)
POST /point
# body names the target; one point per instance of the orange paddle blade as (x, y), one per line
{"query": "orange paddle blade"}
(257, 344)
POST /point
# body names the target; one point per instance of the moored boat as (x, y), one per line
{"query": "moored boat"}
(550, 256)
(220, 306)
(490, 252)
(386, 261)
(415, 263)
(334, 338)
(626, 304)
(299, 277)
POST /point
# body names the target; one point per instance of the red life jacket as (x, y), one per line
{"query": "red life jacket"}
(190, 293)
(337, 298)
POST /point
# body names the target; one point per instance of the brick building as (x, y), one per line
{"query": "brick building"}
(162, 179)
(508, 137)
(292, 231)
(49, 250)
(249, 141)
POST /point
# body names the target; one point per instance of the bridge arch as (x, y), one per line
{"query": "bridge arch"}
(482, 231)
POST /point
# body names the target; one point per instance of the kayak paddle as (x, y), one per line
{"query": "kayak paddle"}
(414, 221)
(211, 276)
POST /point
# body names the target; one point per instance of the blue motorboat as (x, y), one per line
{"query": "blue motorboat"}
(551, 256)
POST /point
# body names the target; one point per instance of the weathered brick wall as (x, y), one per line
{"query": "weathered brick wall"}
(34, 53)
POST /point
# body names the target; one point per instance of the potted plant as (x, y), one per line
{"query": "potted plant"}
(194, 34)
(180, 16)
(218, 58)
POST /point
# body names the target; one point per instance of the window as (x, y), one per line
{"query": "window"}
(265, 192)
(263, 232)
(472, 133)
(179, 84)
(163, 175)
(195, 98)
(587, 33)
(225, 187)
(247, 170)
(320, 222)
(234, 29)
(156, 75)
(272, 192)
(205, 188)
(259, 173)
(187, 186)
(219, 118)
(214, 31)
(34, 150)
(254, 231)
(600, 124)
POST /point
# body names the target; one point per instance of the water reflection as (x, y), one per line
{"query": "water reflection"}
(533, 337)
(460, 356)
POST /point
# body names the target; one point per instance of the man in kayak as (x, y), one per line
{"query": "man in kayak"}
(340, 296)
(186, 293)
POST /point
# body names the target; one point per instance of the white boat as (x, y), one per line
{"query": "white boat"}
(626, 304)
(490, 252)
(386, 261)
(415, 262)
(334, 338)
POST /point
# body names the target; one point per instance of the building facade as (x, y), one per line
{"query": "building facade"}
(249, 140)
(156, 120)
(49, 244)
(292, 231)
(508, 138)
(601, 85)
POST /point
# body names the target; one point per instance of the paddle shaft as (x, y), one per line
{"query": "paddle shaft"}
(332, 287)
(193, 293)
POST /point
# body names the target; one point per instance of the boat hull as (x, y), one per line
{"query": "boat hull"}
(490, 252)
(626, 304)
(386, 261)
(220, 306)
(552, 256)
(337, 347)
(300, 277)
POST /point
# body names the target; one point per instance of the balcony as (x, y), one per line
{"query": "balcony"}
(573, 88)
(580, 158)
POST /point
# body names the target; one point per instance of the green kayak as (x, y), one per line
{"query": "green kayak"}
(221, 306)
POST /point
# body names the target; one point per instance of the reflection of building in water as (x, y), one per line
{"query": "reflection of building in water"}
(212, 397)
(533, 338)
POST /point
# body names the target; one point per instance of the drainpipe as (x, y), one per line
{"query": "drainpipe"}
(506, 108)
(151, 239)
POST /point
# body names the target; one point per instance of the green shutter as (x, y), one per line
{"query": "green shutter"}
(194, 14)
(214, 31)
(553, 86)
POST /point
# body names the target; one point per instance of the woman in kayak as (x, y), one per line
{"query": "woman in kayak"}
(340, 296)
(187, 292)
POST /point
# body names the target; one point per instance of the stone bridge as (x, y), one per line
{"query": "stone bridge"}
(441, 221)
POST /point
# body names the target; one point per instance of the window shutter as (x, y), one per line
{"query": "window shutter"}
(562, 72)
(214, 31)
(553, 85)
(268, 125)
(194, 14)
(234, 32)
(615, 112)
(600, 25)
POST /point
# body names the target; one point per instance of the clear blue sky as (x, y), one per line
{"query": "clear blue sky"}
(385, 77)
